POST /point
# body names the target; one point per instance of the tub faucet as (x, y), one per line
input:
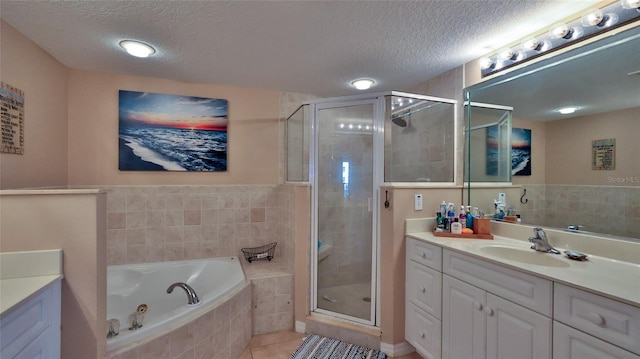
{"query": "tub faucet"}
(540, 242)
(191, 294)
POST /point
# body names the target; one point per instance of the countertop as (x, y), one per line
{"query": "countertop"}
(23, 274)
(612, 278)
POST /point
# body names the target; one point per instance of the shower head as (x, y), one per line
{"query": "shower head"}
(399, 121)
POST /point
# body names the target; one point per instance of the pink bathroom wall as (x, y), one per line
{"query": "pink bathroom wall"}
(253, 134)
(75, 222)
(43, 79)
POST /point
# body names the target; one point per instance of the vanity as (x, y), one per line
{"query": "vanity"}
(30, 304)
(498, 298)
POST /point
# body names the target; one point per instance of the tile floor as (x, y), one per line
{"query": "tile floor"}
(280, 345)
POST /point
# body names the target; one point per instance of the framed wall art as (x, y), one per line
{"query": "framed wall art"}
(160, 132)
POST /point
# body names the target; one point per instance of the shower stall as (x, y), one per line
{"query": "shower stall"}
(346, 148)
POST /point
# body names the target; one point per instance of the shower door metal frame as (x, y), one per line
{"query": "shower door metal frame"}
(377, 102)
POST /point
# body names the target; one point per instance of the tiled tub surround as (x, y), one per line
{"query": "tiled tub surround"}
(222, 332)
(165, 223)
(272, 298)
(130, 285)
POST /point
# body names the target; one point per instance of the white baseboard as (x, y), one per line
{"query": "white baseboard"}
(395, 350)
(301, 327)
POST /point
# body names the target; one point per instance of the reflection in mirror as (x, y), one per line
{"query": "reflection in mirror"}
(488, 136)
(584, 165)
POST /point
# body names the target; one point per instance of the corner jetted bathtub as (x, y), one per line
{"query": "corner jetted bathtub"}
(215, 281)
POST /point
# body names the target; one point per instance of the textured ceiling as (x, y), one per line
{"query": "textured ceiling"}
(314, 47)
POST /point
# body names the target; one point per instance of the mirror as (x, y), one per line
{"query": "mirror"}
(584, 166)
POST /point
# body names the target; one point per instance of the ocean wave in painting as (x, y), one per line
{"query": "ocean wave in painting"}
(176, 149)
(520, 162)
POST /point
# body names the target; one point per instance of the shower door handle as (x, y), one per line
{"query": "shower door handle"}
(370, 204)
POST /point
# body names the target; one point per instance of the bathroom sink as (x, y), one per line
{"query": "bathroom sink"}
(528, 256)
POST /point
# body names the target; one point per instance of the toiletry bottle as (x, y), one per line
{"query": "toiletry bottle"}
(456, 227)
(443, 208)
(462, 217)
(469, 218)
(451, 212)
(439, 221)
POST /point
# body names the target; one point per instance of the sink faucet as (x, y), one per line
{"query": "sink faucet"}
(540, 242)
(191, 294)
(574, 227)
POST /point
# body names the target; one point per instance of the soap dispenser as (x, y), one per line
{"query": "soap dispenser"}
(462, 217)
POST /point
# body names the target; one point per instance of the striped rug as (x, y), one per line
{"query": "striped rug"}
(318, 347)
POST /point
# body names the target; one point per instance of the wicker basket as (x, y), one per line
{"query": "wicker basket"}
(259, 253)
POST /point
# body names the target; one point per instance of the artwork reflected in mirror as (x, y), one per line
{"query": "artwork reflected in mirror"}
(520, 152)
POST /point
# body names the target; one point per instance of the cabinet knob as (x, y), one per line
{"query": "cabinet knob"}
(478, 305)
(424, 255)
(423, 290)
(422, 335)
(488, 311)
(596, 318)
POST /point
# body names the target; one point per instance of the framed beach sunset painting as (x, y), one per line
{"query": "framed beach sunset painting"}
(159, 132)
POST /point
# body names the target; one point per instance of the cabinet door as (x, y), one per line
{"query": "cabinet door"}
(569, 343)
(514, 332)
(463, 320)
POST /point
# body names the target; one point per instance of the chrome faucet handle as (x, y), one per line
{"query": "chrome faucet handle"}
(540, 233)
(574, 227)
(540, 242)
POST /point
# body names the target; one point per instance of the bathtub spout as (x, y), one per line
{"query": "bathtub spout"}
(191, 294)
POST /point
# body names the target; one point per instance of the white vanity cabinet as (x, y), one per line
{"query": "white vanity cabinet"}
(31, 329)
(477, 323)
(489, 310)
(423, 298)
(604, 328)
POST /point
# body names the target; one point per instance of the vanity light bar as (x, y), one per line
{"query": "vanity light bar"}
(560, 35)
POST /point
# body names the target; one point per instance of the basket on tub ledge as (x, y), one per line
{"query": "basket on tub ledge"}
(259, 253)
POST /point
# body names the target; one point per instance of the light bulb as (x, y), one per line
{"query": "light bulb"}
(351, 127)
(486, 63)
(630, 4)
(359, 127)
(137, 49)
(362, 84)
(594, 18)
(561, 31)
(531, 44)
(567, 110)
(507, 54)
(342, 125)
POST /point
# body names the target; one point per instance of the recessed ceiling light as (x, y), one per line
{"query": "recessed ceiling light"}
(567, 110)
(362, 84)
(137, 49)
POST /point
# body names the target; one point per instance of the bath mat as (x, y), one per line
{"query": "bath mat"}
(318, 347)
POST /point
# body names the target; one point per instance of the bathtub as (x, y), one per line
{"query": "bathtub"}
(215, 281)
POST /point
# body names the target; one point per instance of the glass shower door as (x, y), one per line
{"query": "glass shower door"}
(344, 194)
